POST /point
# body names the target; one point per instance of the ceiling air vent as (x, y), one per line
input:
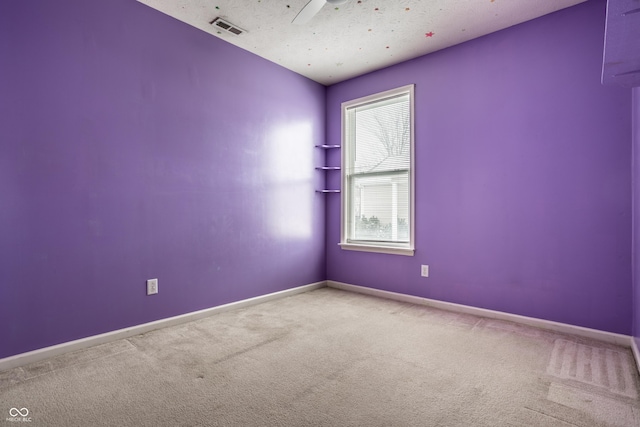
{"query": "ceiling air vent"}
(227, 26)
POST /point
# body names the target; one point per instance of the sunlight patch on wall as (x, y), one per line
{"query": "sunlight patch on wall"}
(290, 170)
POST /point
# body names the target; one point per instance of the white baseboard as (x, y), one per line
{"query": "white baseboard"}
(56, 350)
(636, 353)
(67, 347)
(609, 337)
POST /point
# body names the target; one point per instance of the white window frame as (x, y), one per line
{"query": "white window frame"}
(407, 248)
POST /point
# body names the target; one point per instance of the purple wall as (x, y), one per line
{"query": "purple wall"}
(636, 215)
(130, 150)
(523, 176)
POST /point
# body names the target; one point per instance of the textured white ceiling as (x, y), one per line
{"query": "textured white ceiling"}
(357, 37)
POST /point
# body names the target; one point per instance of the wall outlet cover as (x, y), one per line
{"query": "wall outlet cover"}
(424, 271)
(152, 286)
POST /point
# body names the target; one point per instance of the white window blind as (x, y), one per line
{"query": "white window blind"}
(377, 170)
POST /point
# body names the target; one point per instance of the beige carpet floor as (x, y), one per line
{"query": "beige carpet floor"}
(332, 358)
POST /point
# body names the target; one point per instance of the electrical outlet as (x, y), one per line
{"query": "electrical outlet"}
(152, 286)
(424, 271)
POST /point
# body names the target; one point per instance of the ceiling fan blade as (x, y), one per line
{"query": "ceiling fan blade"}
(308, 12)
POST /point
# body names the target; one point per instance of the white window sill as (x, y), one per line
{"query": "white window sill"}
(393, 250)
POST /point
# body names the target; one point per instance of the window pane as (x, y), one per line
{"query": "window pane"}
(380, 207)
(382, 136)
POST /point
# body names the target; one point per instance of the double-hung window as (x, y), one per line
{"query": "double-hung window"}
(377, 173)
